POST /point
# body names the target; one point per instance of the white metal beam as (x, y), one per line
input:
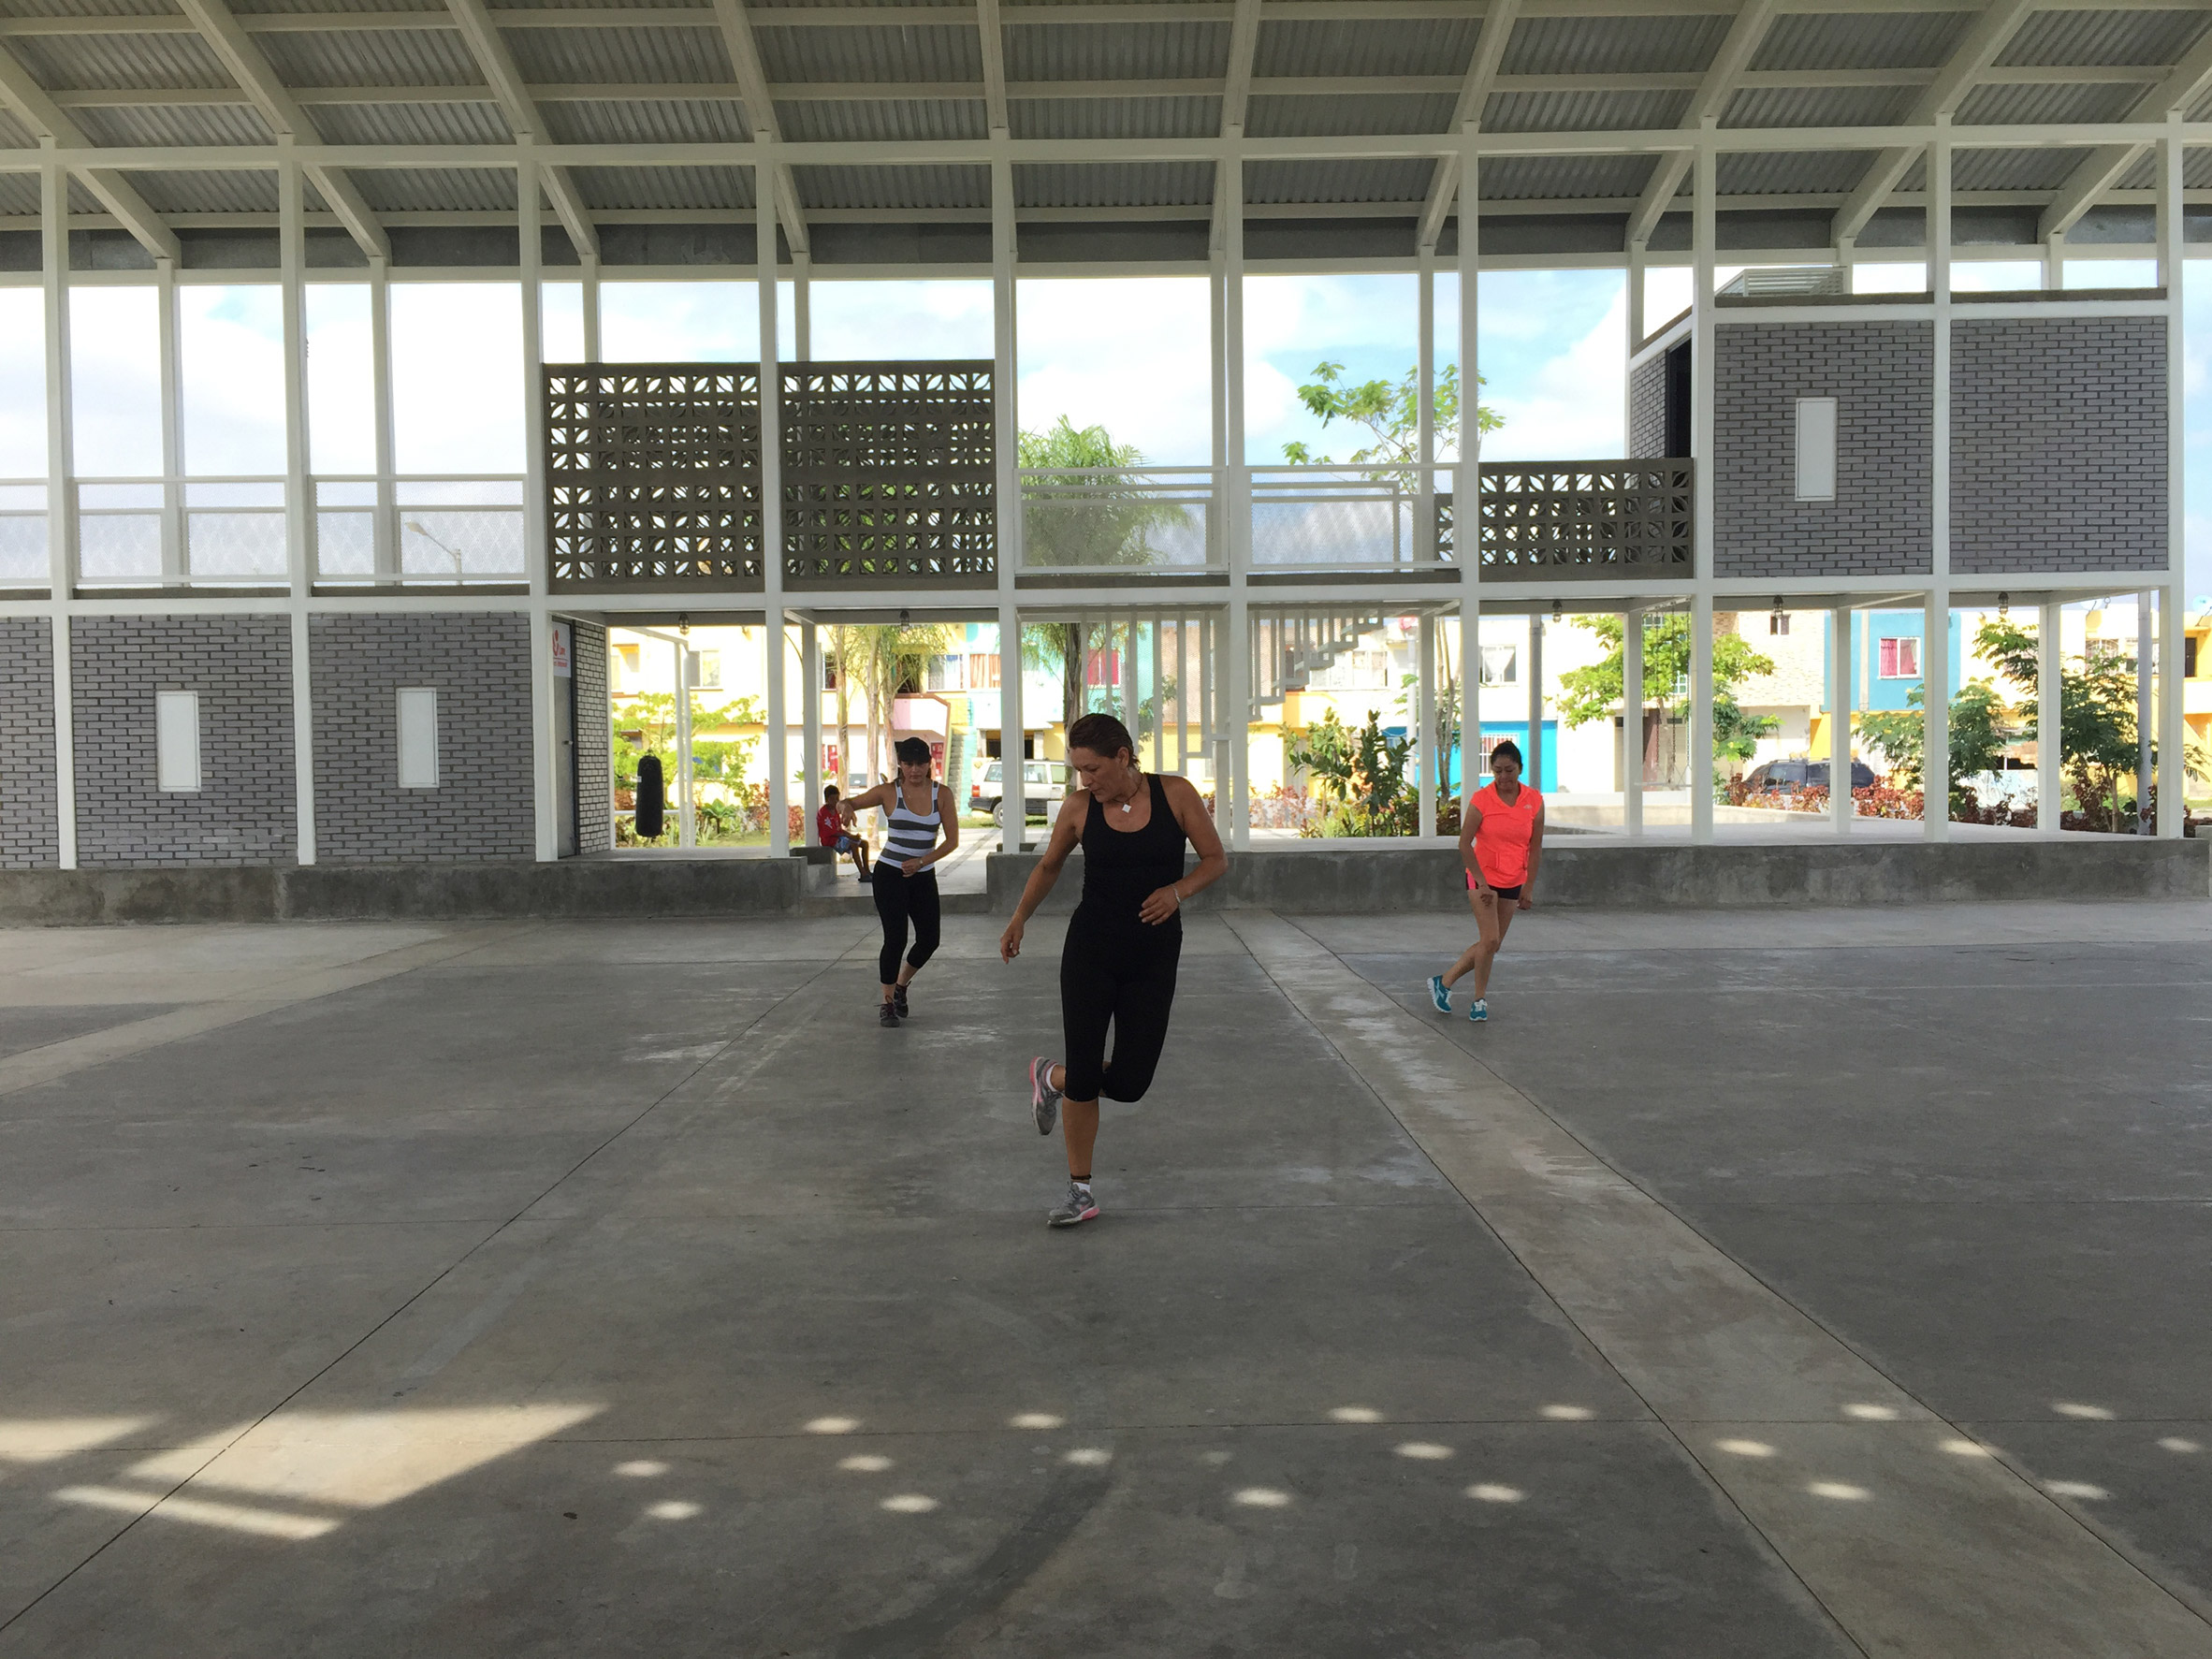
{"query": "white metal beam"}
(21, 93)
(1722, 76)
(497, 65)
(735, 23)
(992, 36)
(1975, 55)
(2104, 166)
(1236, 96)
(1474, 90)
(244, 62)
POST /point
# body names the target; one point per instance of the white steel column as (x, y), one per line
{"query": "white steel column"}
(2146, 704)
(591, 300)
(172, 426)
(1236, 681)
(1429, 751)
(1014, 783)
(61, 505)
(1535, 702)
(2174, 596)
(1703, 380)
(2049, 773)
(545, 745)
(774, 650)
(1935, 632)
(810, 724)
(1467, 523)
(299, 492)
(1424, 407)
(802, 306)
(1841, 808)
(387, 555)
(1632, 722)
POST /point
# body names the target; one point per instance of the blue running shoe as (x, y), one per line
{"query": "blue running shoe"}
(1480, 1011)
(1439, 992)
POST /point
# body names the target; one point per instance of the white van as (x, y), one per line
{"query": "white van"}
(1045, 788)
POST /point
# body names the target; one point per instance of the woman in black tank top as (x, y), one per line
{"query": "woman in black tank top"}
(1124, 941)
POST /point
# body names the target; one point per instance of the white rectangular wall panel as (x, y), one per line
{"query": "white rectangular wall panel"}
(176, 740)
(1816, 449)
(418, 737)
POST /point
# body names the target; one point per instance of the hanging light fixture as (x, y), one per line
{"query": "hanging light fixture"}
(2004, 604)
(1778, 604)
(1556, 610)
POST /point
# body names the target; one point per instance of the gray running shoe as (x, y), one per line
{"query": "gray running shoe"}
(1077, 1206)
(1044, 1100)
(887, 1016)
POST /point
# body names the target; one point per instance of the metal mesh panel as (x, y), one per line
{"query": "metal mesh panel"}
(1573, 519)
(889, 475)
(653, 474)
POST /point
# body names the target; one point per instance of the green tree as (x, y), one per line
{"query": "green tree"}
(1365, 771)
(1391, 413)
(1979, 733)
(2096, 716)
(883, 659)
(1594, 693)
(1107, 518)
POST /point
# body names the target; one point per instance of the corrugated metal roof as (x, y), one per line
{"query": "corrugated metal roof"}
(176, 123)
(2103, 37)
(1117, 185)
(894, 187)
(1112, 118)
(1115, 52)
(380, 57)
(411, 124)
(803, 4)
(329, 8)
(1819, 106)
(1551, 178)
(620, 57)
(102, 63)
(1283, 182)
(436, 190)
(14, 135)
(92, 9)
(2033, 105)
(1612, 45)
(209, 192)
(1784, 172)
(645, 121)
(19, 193)
(1302, 116)
(1861, 40)
(614, 190)
(2196, 171)
(2013, 170)
(920, 53)
(890, 120)
(1400, 46)
(1583, 111)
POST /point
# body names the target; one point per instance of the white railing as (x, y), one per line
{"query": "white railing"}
(23, 559)
(419, 530)
(1126, 518)
(174, 532)
(1346, 518)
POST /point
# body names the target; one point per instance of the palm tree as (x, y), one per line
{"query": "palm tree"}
(884, 657)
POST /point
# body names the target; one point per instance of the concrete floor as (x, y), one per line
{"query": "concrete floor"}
(1815, 1283)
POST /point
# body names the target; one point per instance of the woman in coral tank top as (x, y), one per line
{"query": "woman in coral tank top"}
(1501, 843)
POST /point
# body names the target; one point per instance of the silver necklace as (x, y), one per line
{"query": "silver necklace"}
(1130, 804)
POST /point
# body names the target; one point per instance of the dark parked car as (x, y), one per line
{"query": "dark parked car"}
(1796, 775)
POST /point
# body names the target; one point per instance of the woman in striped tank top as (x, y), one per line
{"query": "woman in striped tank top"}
(925, 827)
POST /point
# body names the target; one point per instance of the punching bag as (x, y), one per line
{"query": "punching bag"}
(652, 799)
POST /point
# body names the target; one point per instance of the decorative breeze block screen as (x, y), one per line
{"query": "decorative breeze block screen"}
(1572, 519)
(653, 473)
(889, 475)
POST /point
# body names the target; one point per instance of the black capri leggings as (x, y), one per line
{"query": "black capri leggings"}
(1127, 980)
(899, 898)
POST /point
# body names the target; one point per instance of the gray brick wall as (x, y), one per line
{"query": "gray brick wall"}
(483, 807)
(595, 803)
(241, 667)
(1647, 409)
(29, 839)
(2058, 444)
(1883, 378)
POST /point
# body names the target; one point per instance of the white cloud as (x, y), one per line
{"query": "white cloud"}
(115, 381)
(1125, 353)
(457, 376)
(1570, 406)
(23, 383)
(900, 319)
(231, 351)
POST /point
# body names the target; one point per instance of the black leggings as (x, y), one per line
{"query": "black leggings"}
(1126, 979)
(899, 896)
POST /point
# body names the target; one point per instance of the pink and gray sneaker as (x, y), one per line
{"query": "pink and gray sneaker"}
(1077, 1206)
(1044, 1100)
